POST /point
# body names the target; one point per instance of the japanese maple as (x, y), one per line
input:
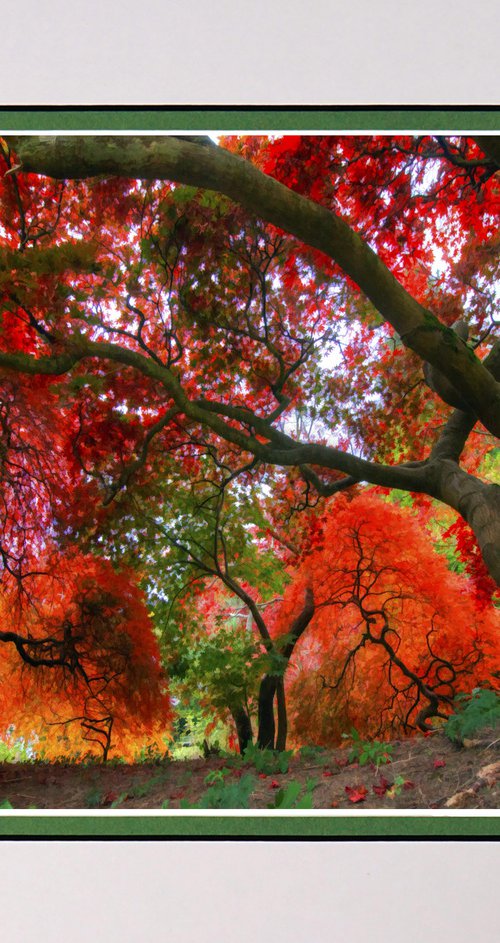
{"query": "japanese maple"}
(395, 635)
(80, 665)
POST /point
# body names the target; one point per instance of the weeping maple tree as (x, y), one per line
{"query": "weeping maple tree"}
(395, 635)
(80, 666)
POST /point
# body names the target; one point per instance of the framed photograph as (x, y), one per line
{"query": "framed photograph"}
(249, 533)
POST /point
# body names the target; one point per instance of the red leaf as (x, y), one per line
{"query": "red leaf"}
(327, 772)
(438, 763)
(381, 788)
(110, 797)
(356, 793)
(274, 784)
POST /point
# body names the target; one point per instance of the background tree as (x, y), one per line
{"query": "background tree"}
(214, 553)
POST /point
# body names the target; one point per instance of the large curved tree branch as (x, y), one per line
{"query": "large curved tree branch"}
(280, 449)
(439, 477)
(182, 161)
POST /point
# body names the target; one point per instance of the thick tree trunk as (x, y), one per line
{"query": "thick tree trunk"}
(243, 727)
(274, 685)
(282, 715)
(479, 505)
(267, 726)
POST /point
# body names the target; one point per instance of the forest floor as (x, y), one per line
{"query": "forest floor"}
(424, 772)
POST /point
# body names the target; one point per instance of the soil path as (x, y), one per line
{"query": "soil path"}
(424, 773)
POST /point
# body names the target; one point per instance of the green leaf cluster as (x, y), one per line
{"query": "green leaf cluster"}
(289, 797)
(264, 761)
(474, 711)
(225, 795)
(366, 751)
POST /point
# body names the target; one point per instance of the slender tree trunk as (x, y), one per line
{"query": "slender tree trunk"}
(274, 685)
(243, 727)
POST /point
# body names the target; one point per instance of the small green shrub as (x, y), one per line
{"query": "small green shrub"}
(94, 798)
(151, 754)
(289, 796)
(367, 751)
(313, 754)
(117, 802)
(225, 795)
(217, 776)
(473, 712)
(267, 761)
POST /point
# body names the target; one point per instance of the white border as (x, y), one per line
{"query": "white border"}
(231, 52)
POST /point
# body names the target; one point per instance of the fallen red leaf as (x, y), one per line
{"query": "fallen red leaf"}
(381, 787)
(327, 772)
(110, 797)
(438, 763)
(356, 793)
(262, 775)
(274, 784)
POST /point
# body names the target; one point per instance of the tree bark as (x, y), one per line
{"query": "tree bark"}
(282, 715)
(267, 726)
(274, 685)
(243, 727)
(478, 503)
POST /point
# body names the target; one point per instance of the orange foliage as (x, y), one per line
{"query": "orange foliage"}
(111, 682)
(377, 578)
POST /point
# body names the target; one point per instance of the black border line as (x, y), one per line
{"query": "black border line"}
(250, 108)
(263, 839)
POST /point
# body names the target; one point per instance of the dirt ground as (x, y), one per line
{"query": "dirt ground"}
(424, 773)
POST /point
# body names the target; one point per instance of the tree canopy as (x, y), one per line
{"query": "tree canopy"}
(204, 348)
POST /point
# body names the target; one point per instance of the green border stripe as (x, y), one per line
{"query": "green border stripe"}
(255, 827)
(229, 119)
